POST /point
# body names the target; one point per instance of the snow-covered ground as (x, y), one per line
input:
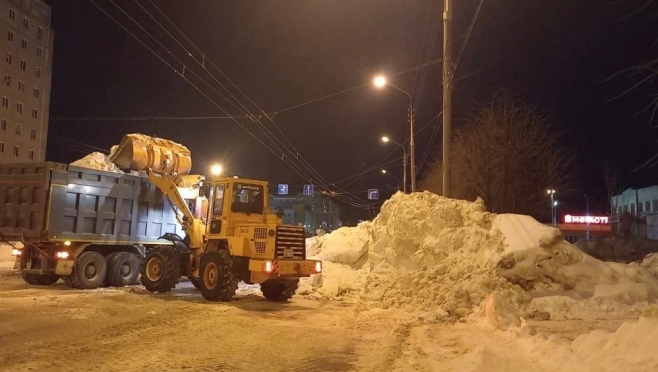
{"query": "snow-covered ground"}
(431, 284)
(448, 264)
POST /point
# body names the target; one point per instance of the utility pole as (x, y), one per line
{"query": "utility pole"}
(412, 146)
(447, 95)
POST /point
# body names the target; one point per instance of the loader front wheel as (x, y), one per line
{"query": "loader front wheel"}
(217, 282)
(161, 269)
(279, 290)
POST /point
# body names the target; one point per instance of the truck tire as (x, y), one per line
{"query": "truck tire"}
(216, 276)
(122, 269)
(89, 271)
(279, 290)
(110, 258)
(161, 269)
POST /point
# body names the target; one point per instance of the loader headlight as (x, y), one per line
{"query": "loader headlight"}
(16, 252)
(63, 255)
(268, 266)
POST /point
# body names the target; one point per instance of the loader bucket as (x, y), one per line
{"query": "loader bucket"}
(139, 152)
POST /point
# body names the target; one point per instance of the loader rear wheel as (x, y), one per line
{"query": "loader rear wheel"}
(216, 276)
(122, 269)
(279, 290)
(161, 269)
(89, 271)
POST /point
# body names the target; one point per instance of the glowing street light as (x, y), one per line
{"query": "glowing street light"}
(380, 82)
(216, 170)
(404, 163)
(396, 179)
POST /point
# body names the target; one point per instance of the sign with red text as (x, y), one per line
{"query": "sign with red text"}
(598, 220)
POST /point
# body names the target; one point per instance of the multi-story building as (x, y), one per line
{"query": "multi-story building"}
(640, 206)
(26, 54)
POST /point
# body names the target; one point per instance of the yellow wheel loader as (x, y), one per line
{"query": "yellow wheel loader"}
(231, 234)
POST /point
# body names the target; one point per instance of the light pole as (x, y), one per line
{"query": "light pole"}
(555, 213)
(396, 179)
(381, 82)
(587, 201)
(404, 163)
(551, 192)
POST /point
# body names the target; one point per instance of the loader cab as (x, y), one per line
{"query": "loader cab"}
(235, 200)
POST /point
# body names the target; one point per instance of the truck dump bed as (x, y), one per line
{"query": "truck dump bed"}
(54, 202)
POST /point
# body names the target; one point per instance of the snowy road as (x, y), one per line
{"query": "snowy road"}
(60, 329)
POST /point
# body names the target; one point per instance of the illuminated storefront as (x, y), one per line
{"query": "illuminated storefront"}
(576, 228)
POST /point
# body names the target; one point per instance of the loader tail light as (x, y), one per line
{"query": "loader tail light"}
(63, 255)
(16, 252)
(317, 268)
(268, 267)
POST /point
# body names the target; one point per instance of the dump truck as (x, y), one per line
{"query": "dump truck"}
(216, 231)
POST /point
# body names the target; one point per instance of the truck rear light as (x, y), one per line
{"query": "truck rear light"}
(16, 252)
(317, 268)
(63, 255)
(268, 267)
(67, 243)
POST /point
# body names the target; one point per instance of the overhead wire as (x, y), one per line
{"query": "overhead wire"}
(296, 169)
(294, 152)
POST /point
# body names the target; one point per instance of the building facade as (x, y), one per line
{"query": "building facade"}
(314, 212)
(635, 212)
(26, 49)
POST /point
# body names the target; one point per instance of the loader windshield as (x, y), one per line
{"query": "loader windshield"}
(247, 198)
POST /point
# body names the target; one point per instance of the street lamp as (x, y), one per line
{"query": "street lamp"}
(587, 201)
(216, 169)
(551, 192)
(381, 82)
(404, 162)
(396, 179)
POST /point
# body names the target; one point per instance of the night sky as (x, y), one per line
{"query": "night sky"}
(552, 54)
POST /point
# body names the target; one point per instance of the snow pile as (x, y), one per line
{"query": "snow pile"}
(446, 258)
(98, 161)
(343, 253)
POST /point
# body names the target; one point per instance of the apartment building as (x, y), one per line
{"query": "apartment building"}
(26, 54)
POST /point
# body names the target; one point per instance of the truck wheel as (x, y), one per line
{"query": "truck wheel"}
(161, 270)
(110, 258)
(216, 280)
(89, 271)
(122, 269)
(47, 279)
(279, 290)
